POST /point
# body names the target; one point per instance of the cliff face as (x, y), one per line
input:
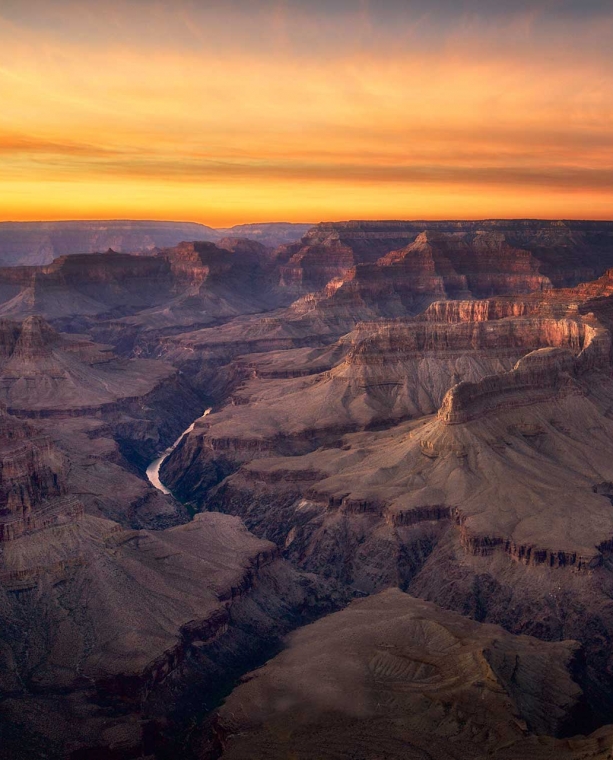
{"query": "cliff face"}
(45, 373)
(115, 624)
(348, 273)
(33, 490)
(498, 502)
(483, 257)
(101, 409)
(192, 282)
(134, 614)
(478, 420)
(84, 285)
(472, 262)
(331, 452)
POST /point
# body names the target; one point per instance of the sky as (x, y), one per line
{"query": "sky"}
(236, 111)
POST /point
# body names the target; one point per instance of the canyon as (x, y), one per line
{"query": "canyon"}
(398, 501)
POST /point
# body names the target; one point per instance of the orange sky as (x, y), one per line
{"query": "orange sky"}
(301, 111)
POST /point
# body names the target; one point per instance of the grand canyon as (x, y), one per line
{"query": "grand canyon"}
(306, 380)
(345, 496)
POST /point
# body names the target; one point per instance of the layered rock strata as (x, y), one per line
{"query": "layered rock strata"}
(109, 415)
(563, 252)
(192, 283)
(381, 373)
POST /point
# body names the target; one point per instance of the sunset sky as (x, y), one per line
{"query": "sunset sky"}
(244, 111)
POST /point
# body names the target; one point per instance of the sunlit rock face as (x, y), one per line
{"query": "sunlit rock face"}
(452, 444)
(485, 256)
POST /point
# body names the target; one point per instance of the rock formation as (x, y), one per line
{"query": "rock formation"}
(535, 253)
(383, 372)
(36, 243)
(100, 409)
(392, 676)
(508, 479)
(33, 489)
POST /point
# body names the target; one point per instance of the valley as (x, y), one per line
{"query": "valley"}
(389, 532)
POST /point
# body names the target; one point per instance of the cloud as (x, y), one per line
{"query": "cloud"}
(335, 99)
(18, 144)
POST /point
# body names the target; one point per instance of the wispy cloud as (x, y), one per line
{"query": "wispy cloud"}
(494, 101)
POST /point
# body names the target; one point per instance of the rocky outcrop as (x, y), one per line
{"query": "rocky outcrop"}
(540, 375)
(85, 285)
(383, 372)
(312, 266)
(389, 429)
(46, 373)
(192, 283)
(109, 416)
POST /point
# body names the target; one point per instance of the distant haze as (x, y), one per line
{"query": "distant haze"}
(33, 243)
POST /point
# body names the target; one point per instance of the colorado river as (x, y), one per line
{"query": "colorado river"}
(153, 471)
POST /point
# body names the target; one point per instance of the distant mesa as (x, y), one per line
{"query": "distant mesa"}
(35, 243)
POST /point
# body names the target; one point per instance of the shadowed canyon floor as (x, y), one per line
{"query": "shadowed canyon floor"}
(416, 413)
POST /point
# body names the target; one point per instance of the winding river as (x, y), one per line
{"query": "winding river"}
(153, 471)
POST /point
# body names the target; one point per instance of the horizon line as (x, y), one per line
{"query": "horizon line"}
(407, 220)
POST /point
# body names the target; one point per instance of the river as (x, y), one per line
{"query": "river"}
(153, 471)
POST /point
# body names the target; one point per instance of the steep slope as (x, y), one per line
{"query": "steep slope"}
(211, 283)
(84, 285)
(111, 415)
(476, 261)
(505, 493)
(343, 274)
(33, 489)
(117, 296)
(44, 373)
(436, 418)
